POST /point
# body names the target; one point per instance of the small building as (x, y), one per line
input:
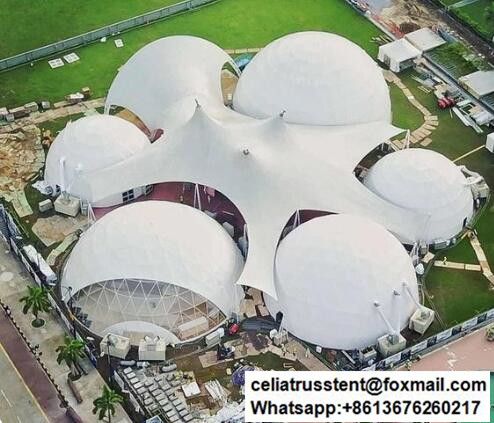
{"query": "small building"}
(398, 55)
(479, 84)
(425, 39)
(489, 144)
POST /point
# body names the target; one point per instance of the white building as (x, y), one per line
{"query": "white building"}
(154, 267)
(90, 144)
(342, 264)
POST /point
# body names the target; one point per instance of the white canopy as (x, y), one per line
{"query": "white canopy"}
(397, 52)
(329, 273)
(265, 173)
(479, 83)
(161, 82)
(89, 144)
(428, 183)
(317, 78)
(425, 39)
(158, 241)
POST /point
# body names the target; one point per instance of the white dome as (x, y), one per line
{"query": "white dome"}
(426, 182)
(331, 270)
(158, 241)
(317, 78)
(89, 144)
(161, 82)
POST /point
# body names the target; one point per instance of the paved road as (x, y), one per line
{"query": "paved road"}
(17, 403)
(30, 396)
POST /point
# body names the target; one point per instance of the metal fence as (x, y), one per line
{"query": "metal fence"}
(97, 34)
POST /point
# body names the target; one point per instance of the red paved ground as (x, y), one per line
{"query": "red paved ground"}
(219, 204)
(473, 352)
(30, 370)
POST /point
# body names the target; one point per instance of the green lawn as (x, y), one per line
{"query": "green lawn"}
(28, 24)
(451, 138)
(229, 23)
(404, 114)
(458, 295)
(475, 15)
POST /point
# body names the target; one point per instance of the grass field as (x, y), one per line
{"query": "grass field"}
(26, 24)
(229, 23)
(459, 295)
(474, 14)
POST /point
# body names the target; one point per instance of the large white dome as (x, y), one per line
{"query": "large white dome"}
(329, 273)
(160, 241)
(317, 78)
(154, 262)
(426, 182)
(89, 144)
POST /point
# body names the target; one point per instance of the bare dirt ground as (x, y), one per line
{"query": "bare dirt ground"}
(426, 13)
(22, 157)
(402, 11)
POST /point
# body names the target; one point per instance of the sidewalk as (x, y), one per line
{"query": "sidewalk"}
(13, 285)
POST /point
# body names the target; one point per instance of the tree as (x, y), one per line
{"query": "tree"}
(36, 301)
(104, 406)
(70, 353)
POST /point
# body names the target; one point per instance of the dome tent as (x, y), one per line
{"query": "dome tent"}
(329, 273)
(154, 252)
(426, 182)
(317, 78)
(89, 144)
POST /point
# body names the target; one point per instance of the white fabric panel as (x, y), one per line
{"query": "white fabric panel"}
(161, 81)
(277, 177)
(331, 270)
(428, 183)
(161, 241)
(317, 78)
(89, 144)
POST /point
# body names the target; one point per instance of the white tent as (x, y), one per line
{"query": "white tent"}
(265, 173)
(168, 243)
(479, 83)
(398, 54)
(425, 39)
(317, 78)
(330, 272)
(161, 82)
(89, 144)
(268, 168)
(428, 183)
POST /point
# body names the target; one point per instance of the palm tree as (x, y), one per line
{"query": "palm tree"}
(70, 353)
(36, 301)
(105, 404)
